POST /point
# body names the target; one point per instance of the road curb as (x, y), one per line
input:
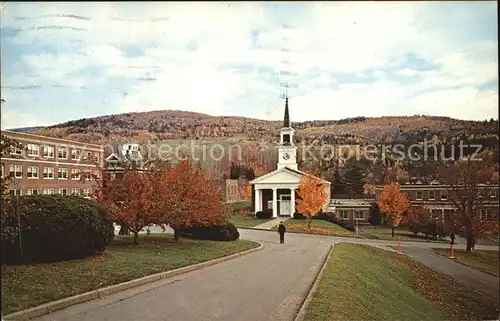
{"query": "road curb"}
(302, 311)
(102, 292)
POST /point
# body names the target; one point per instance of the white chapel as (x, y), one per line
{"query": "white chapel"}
(276, 190)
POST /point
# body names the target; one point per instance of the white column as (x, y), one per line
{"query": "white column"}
(257, 200)
(292, 202)
(275, 202)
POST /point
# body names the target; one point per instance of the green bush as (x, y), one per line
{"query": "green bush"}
(227, 232)
(264, 214)
(53, 228)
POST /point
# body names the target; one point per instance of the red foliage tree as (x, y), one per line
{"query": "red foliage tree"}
(469, 194)
(190, 198)
(130, 200)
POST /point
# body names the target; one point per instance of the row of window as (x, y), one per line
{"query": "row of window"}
(48, 152)
(488, 215)
(431, 195)
(33, 172)
(85, 192)
(357, 214)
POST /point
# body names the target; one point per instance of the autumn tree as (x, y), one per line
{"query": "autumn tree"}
(312, 196)
(393, 203)
(417, 219)
(190, 198)
(130, 200)
(469, 194)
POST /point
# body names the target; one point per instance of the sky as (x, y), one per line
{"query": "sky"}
(68, 60)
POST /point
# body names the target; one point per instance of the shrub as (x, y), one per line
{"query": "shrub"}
(264, 214)
(227, 232)
(299, 216)
(53, 228)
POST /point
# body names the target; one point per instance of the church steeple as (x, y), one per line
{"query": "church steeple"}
(286, 120)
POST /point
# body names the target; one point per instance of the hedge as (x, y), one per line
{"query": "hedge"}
(227, 232)
(53, 228)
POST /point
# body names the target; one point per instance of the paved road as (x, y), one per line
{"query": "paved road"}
(265, 285)
(482, 282)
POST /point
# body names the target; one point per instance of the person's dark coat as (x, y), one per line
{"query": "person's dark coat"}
(281, 229)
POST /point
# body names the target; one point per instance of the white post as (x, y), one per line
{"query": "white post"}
(257, 201)
(292, 202)
(275, 202)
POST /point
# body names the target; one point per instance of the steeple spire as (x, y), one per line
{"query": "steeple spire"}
(286, 120)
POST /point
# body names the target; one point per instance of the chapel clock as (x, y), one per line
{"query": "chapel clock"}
(286, 156)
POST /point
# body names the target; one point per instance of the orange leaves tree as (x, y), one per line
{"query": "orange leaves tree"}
(189, 197)
(129, 200)
(179, 195)
(312, 196)
(469, 194)
(393, 203)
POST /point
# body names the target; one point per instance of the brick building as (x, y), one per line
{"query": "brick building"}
(47, 165)
(434, 197)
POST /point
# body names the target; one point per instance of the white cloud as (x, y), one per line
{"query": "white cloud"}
(328, 39)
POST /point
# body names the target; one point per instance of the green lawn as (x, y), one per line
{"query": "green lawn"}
(248, 221)
(385, 233)
(486, 261)
(365, 283)
(319, 227)
(31, 285)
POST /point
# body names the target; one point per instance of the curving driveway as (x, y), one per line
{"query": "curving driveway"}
(265, 285)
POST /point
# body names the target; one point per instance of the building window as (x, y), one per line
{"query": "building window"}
(62, 173)
(431, 195)
(75, 154)
(75, 191)
(444, 195)
(86, 192)
(48, 191)
(48, 151)
(33, 149)
(32, 191)
(62, 153)
(419, 196)
(358, 215)
(32, 172)
(75, 174)
(88, 156)
(344, 214)
(96, 157)
(63, 191)
(15, 192)
(16, 150)
(493, 193)
(16, 171)
(48, 173)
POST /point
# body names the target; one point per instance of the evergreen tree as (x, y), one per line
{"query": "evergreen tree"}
(354, 176)
(375, 218)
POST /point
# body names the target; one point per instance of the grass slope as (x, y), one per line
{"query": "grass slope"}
(31, 285)
(485, 261)
(243, 222)
(385, 233)
(318, 227)
(365, 283)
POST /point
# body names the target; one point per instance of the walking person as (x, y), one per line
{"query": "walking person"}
(281, 231)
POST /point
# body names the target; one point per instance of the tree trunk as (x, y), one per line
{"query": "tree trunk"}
(470, 239)
(176, 234)
(136, 238)
(392, 231)
(309, 223)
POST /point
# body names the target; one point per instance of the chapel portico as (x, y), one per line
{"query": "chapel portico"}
(276, 191)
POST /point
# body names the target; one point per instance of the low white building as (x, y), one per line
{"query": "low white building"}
(276, 190)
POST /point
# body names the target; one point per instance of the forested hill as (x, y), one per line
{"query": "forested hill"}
(175, 124)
